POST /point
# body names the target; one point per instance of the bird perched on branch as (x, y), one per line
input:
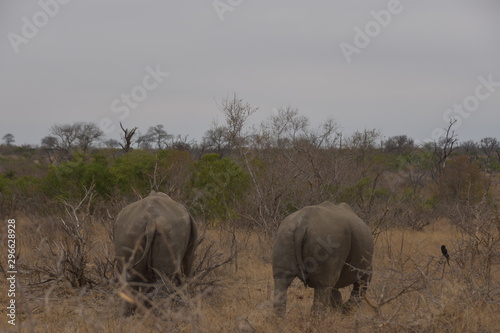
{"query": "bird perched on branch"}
(444, 251)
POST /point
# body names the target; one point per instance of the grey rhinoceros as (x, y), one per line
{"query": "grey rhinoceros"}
(328, 247)
(154, 237)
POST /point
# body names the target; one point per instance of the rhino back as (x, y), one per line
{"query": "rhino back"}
(169, 218)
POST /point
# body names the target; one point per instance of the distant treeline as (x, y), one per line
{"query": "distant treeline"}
(254, 177)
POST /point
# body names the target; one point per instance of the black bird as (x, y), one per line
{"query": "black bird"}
(444, 251)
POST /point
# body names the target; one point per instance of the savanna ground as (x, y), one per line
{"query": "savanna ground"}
(413, 290)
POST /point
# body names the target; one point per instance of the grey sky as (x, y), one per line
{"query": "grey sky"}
(271, 54)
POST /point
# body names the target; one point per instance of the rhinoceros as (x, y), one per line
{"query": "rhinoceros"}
(154, 237)
(328, 247)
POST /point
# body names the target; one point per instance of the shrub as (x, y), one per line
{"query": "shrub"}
(462, 179)
(133, 171)
(67, 180)
(216, 185)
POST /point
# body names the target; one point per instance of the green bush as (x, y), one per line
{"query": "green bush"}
(21, 193)
(142, 171)
(134, 171)
(70, 179)
(216, 187)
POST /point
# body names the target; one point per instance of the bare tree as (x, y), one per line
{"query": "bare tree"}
(87, 133)
(216, 139)
(469, 147)
(127, 137)
(363, 145)
(65, 243)
(143, 141)
(112, 143)
(78, 135)
(236, 113)
(489, 146)
(66, 136)
(182, 143)
(286, 126)
(299, 163)
(366, 140)
(443, 149)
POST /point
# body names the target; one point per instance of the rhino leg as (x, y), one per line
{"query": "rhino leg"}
(130, 304)
(139, 296)
(335, 299)
(322, 299)
(136, 288)
(281, 285)
(357, 293)
(326, 298)
(129, 309)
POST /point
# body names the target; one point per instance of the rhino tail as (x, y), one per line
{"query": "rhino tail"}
(299, 239)
(149, 233)
(187, 261)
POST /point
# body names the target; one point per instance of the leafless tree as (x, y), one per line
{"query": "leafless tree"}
(285, 127)
(127, 137)
(143, 141)
(443, 149)
(469, 147)
(366, 140)
(78, 135)
(87, 133)
(490, 146)
(66, 136)
(112, 143)
(298, 160)
(180, 142)
(216, 139)
(236, 113)
(65, 244)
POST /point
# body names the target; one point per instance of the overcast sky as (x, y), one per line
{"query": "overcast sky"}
(399, 68)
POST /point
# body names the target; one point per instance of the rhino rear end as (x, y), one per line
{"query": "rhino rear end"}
(327, 246)
(154, 237)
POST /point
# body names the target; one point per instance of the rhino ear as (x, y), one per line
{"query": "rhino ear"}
(152, 193)
(345, 205)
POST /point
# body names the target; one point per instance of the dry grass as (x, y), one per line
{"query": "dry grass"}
(413, 290)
